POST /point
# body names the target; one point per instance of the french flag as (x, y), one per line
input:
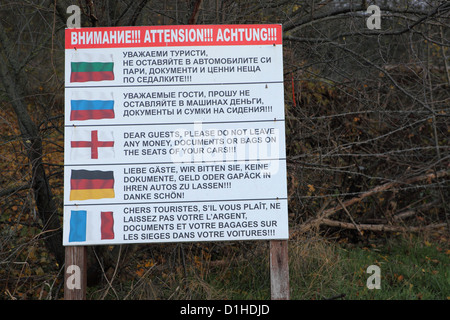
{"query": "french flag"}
(84, 226)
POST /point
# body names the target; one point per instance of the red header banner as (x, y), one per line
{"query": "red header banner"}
(173, 36)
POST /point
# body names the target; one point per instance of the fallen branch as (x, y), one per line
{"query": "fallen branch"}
(384, 187)
(380, 227)
(323, 214)
(412, 212)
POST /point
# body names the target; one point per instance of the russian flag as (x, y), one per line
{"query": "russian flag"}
(91, 105)
(87, 66)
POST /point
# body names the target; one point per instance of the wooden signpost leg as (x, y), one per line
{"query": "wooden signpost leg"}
(279, 270)
(75, 276)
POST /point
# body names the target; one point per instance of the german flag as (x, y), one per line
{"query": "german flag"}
(96, 184)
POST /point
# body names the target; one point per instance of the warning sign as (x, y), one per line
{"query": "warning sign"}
(174, 133)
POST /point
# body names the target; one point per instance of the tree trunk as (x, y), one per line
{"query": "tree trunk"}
(43, 197)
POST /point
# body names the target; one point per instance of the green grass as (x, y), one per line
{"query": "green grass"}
(411, 269)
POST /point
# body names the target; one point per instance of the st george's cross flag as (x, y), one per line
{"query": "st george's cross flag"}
(91, 144)
(91, 184)
(91, 105)
(91, 66)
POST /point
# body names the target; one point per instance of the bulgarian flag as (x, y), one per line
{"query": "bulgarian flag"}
(91, 105)
(96, 184)
(87, 66)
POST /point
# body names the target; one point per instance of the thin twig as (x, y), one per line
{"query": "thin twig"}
(350, 216)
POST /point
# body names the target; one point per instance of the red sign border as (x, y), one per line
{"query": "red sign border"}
(163, 36)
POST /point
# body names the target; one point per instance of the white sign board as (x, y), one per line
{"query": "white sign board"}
(174, 133)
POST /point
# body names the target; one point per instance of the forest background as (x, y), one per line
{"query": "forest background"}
(367, 135)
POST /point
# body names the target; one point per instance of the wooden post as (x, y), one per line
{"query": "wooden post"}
(279, 270)
(75, 276)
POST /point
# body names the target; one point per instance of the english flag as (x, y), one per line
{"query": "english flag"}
(91, 144)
